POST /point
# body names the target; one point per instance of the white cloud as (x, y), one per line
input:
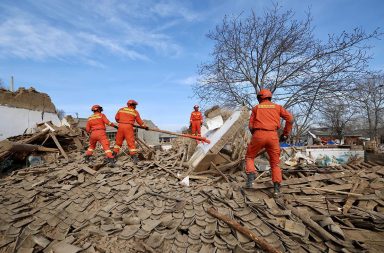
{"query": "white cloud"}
(174, 9)
(21, 38)
(73, 30)
(113, 46)
(189, 80)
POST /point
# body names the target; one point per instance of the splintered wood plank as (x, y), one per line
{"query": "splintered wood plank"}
(333, 191)
(296, 181)
(322, 208)
(53, 136)
(337, 187)
(358, 187)
(261, 242)
(78, 144)
(88, 170)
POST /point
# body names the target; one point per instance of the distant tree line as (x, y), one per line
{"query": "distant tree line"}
(361, 108)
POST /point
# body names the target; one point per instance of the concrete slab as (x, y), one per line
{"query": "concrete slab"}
(215, 122)
(205, 153)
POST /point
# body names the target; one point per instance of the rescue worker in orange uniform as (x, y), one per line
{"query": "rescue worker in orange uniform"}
(126, 117)
(196, 120)
(96, 128)
(263, 124)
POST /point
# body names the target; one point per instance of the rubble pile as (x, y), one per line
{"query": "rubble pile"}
(46, 144)
(186, 199)
(67, 206)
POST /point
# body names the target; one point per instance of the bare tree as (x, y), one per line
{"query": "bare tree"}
(337, 114)
(60, 113)
(2, 84)
(279, 52)
(369, 100)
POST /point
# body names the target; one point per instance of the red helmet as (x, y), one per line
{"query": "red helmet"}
(132, 102)
(264, 93)
(196, 106)
(96, 108)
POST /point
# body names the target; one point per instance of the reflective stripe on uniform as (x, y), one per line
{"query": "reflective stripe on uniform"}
(116, 146)
(265, 106)
(133, 150)
(89, 149)
(132, 113)
(108, 151)
(95, 117)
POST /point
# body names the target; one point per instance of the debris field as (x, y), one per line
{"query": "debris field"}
(67, 206)
(162, 204)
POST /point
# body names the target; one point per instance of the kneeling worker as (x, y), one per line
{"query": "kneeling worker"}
(263, 124)
(126, 117)
(96, 127)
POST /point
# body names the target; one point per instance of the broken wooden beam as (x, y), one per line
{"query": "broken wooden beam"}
(221, 173)
(295, 181)
(53, 136)
(314, 225)
(166, 170)
(334, 191)
(21, 147)
(245, 231)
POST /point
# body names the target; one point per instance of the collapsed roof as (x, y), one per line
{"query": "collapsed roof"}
(29, 99)
(64, 205)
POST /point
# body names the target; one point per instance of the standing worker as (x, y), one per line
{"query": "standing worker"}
(196, 120)
(96, 127)
(126, 117)
(263, 124)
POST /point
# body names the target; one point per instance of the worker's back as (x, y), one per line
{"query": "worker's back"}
(96, 121)
(266, 116)
(128, 115)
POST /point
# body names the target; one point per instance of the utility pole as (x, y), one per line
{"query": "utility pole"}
(12, 84)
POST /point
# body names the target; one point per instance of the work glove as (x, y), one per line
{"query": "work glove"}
(190, 125)
(146, 128)
(252, 130)
(116, 127)
(283, 138)
(201, 123)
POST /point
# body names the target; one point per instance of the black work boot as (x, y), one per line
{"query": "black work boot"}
(135, 159)
(87, 158)
(111, 162)
(250, 178)
(276, 189)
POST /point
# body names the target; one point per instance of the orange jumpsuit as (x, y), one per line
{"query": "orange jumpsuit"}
(196, 121)
(96, 127)
(126, 117)
(265, 121)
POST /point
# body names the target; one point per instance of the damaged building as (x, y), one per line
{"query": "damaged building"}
(189, 198)
(21, 110)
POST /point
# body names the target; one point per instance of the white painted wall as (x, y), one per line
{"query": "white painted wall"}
(342, 155)
(14, 121)
(214, 136)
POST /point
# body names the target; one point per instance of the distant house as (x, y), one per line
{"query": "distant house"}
(149, 137)
(165, 138)
(327, 136)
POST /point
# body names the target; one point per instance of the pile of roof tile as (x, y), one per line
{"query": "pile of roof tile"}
(67, 206)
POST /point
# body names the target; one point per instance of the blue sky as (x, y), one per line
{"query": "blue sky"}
(108, 51)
